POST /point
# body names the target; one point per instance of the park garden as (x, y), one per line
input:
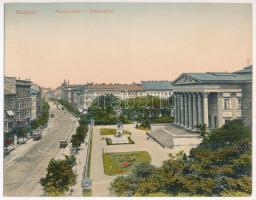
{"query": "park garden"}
(123, 162)
(220, 166)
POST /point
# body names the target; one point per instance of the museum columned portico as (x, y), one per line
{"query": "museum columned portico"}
(210, 108)
(191, 109)
(208, 98)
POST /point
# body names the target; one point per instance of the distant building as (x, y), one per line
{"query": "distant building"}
(9, 104)
(85, 94)
(23, 102)
(74, 94)
(163, 89)
(46, 92)
(96, 90)
(213, 98)
(35, 94)
(133, 90)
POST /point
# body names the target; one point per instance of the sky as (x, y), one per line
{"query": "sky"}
(124, 42)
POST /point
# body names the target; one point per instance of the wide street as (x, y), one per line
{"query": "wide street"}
(27, 164)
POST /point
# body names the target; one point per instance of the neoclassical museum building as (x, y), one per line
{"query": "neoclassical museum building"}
(213, 98)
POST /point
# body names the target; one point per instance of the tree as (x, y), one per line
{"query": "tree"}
(71, 160)
(143, 170)
(221, 165)
(75, 141)
(59, 177)
(35, 124)
(202, 130)
(20, 132)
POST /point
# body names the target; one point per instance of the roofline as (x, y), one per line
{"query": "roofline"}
(188, 74)
(215, 82)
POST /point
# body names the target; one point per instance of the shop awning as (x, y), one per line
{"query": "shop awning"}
(10, 113)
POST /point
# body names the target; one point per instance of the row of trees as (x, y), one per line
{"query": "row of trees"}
(60, 176)
(69, 107)
(78, 138)
(43, 118)
(220, 166)
(108, 109)
(103, 111)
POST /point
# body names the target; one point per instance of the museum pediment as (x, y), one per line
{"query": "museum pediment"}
(184, 79)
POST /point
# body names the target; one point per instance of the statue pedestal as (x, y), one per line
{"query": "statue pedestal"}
(119, 140)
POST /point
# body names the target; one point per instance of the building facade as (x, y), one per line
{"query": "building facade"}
(87, 93)
(212, 99)
(9, 104)
(74, 94)
(35, 94)
(23, 102)
(163, 89)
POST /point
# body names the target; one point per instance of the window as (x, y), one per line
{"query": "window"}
(18, 104)
(19, 115)
(215, 121)
(226, 104)
(239, 103)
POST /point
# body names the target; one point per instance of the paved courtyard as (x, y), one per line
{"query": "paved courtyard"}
(101, 182)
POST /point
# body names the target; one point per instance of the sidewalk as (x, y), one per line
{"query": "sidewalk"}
(80, 168)
(14, 146)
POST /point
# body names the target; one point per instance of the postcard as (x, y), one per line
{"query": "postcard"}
(124, 99)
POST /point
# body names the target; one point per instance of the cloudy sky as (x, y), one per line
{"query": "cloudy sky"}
(124, 42)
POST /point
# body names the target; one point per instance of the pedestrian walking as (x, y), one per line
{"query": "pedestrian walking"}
(71, 191)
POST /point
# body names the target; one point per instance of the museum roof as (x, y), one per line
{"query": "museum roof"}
(157, 85)
(215, 77)
(246, 70)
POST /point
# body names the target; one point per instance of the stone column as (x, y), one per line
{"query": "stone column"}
(199, 109)
(178, 110)
(189, 111)
(181, 110)
(194, 110)
(185, 110)
(220, 109)
(205, 106)
(174, 106)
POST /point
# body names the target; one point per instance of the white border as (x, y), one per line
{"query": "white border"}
(120, 1)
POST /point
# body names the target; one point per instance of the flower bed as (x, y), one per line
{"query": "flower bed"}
(123, 162)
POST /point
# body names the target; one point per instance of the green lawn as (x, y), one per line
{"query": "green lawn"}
(111, 131)
(123, 162)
